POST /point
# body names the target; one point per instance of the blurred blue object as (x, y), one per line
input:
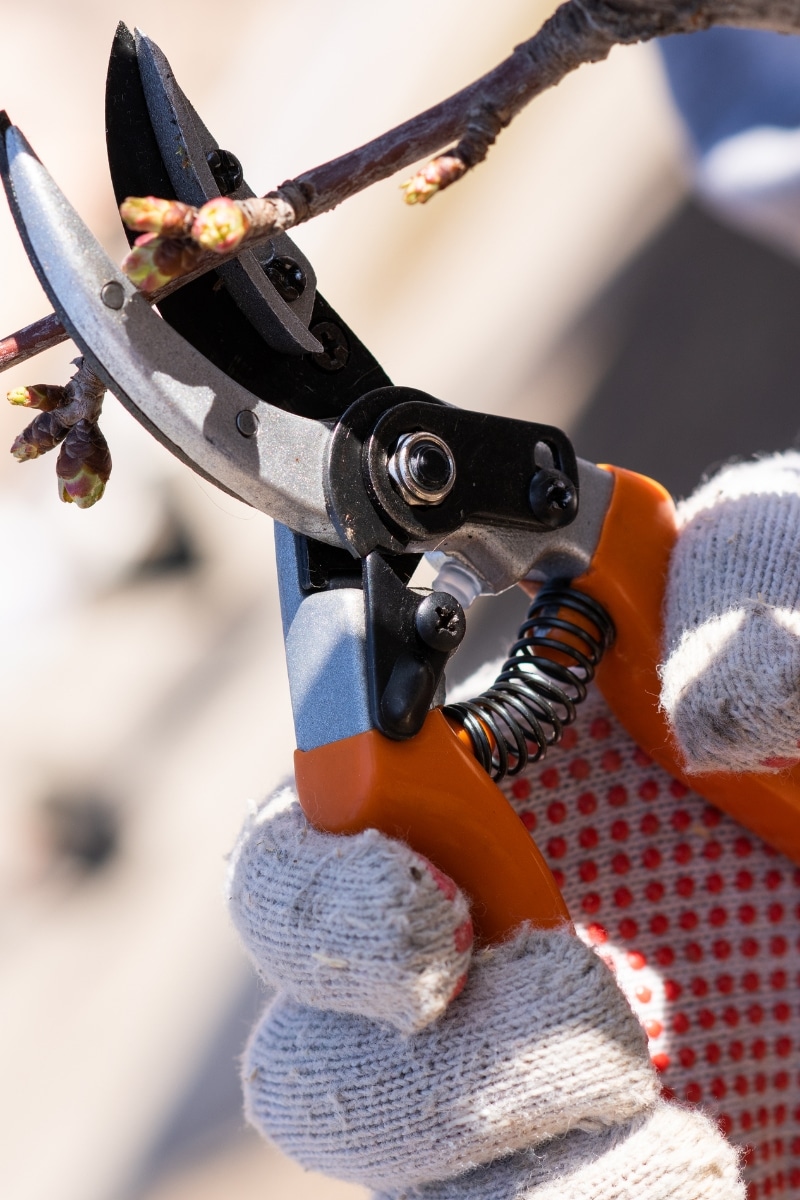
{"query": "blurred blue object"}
(738, 94)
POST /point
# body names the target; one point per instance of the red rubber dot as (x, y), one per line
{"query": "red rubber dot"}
(680, 820)
(694, 952)
(684, 886)
(659, 924)
(650, 824)
(780, 1117)
(775, 913)
(712, 850)
(660, 1061)
(588, 838)
(721, 948)
(651, 858)
(620, 831)
(644, 760)
(558, 875)
(648, 790)
(694, 1093)
(643, 995)
(783, 1047)
(588, 871)
(743, 881)
(617, 795)
(755, 1014)
(678, 789)
(611, 760)
(714, 884)
(724, 1124)
(749, 947)
(597, 933)
(718, 1088)
(682, 853)
(706, 1018)
(699, 987)
(654, 892)
(680, 1023)
(751, 981)
(623, 897)
(758, 1049)
(549, 778)
(665, 956)
(687, 1057)
(620, 864)
(569, 738)
(746, 1120)
(578, 768)
(672, 989)
(688, 920)
(557, 847)
(736, 1051)
(556, 812)
(521, 789)
(713, 1053)
(628, 928)
(725, 984)
(742, 847)
(711, 817)
(781, 1080)
(773, 880)
(599, 728)
(747, 914)
(731, 1017)
(741, 1085)
(636, 961)
(653, 1028)
(781, 1012)
(718, 916)
(587, 803)
(591, 903)
(528, 820)
(777, 981)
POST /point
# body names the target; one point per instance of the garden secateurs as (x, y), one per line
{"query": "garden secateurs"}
(250, 377)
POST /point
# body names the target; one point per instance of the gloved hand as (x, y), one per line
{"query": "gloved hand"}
(377, 1063)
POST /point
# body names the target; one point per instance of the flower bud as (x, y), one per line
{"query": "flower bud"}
(154, 261)
(84, 465)
(43, 396)
(43, 433)
(220, 225)
(438, 175)
(149, 214)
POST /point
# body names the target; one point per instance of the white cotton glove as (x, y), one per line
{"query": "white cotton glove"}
(376, 1063)
(731, 678)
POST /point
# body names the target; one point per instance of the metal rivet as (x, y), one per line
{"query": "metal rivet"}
(113, 294)
(247, 422)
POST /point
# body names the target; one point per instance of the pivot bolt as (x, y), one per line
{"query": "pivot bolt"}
(440, 622)
(553, 498)
(423, 468)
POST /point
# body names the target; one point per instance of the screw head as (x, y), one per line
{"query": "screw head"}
(247, 422)
(423, 468)
(226, 169)
(553, 498)
(335, 350)
(440, 622)
(113, 294)
(287, 277)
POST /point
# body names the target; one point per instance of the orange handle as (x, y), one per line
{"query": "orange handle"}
(627, 576)
(430, 793)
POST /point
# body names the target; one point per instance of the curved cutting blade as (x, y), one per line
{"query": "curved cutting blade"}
(269, 458)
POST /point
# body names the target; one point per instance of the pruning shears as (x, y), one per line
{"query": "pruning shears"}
(252, 379)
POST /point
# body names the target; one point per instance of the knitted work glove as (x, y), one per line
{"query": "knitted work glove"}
(534, 1080)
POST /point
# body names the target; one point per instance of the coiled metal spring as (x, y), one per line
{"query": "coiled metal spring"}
(543, 680)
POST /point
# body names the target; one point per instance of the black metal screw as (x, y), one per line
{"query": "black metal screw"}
(287, 277)
(335, 350)
(440, 621)
(553, 498)
(226, 169)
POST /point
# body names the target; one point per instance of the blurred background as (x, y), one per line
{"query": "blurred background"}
(571, 279)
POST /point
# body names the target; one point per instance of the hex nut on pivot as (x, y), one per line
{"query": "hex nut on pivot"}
(440, 622)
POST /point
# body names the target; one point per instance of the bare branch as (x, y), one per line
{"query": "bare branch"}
(580, 31)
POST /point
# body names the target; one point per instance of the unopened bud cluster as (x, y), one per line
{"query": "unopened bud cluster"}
(176, 234)
(435, 177)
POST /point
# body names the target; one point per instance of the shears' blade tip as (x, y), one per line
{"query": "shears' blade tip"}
(5, 121)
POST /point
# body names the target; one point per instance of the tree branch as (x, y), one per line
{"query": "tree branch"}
(580, 31)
